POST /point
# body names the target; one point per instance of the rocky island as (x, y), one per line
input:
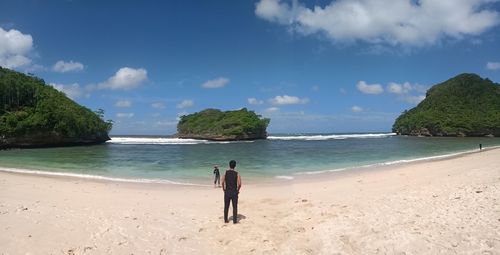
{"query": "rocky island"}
(466, 105)
(216, 125)
(34, 114)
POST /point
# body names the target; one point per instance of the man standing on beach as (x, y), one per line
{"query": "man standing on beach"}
(217, 175)
(231, 184)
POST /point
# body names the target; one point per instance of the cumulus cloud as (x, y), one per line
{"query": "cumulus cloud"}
(216, 83)
(286, 100)
(272, 109)
(63, 67)
(123, 103)
(185, 104)
(413, 99)
(73, 91)
(255, 101)
(373, 89)
(493, 65)
(125, 115)
(158, 105)
(390, 22)
(407, 91)
(125, 79)
(404, 88)
(14, 47)
(356, 108)
(274, 11)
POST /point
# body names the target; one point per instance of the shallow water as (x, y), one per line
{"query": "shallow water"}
(191, 161)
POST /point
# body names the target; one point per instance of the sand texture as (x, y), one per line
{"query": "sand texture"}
(448, 206)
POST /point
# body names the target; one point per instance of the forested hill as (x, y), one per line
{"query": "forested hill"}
(466, 105)
(213, 124)
(34, 114)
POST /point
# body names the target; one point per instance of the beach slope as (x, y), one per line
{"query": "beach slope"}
(435, 207)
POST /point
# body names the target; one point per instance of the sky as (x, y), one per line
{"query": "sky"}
(311, 66)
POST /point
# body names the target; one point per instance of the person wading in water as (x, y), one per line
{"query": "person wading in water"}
(231, 184)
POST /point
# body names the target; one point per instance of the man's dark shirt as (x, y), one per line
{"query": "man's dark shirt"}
(231, 180)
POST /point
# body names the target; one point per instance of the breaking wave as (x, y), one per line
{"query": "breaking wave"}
(329, 137)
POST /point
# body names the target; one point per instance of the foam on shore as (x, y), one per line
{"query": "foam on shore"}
(98, 177)
(397, 162)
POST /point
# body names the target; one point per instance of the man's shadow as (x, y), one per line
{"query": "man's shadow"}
(238, 217)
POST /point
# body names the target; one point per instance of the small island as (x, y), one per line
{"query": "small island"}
(34, 114)
(216, 125)
(466, 105)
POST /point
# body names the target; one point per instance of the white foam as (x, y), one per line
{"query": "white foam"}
(97, 177)
(160, 141)
(402, 161)
(330, 137)
(286, 177)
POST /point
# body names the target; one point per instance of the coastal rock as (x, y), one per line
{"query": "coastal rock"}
(466, 105)
(43, 140)
(34, 114)
(216, 125)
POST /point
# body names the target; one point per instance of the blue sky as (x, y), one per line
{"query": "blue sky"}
(311, 66)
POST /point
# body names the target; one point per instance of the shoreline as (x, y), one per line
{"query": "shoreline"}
(441, 206)
(279, 179)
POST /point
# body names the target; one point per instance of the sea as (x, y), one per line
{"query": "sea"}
(284, 157)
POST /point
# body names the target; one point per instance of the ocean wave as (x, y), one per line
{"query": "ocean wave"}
(162, 141)
(98, 177)
(330, 137)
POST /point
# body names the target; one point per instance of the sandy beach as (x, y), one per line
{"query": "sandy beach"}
(448, 206)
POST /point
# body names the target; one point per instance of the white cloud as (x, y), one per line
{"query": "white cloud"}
(373, 89)
(63, 67)
(356, 108)
(185, 104)
(274, 11)
(493, 65)
(413, 99)
(272, 109)
(158, 105)
(125, 79)
(123, 103)
(216, 83)
(405, 88)
(125, 115)
(73, 91)
(255, 101)
(391, 22)
(14, 46)
(285, 100)
(396, 88)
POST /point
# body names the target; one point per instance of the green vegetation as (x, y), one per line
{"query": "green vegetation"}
(214, 124)
(465, 105)
(31, 109)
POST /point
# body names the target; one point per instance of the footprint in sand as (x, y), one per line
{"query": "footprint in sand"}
(300, 229)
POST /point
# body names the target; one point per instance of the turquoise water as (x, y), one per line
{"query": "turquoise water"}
(191, 161)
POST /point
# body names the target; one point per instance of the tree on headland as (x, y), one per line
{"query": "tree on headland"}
(465, 105)
(214, 124)
(31, 109)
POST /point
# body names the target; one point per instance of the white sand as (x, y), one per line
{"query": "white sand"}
(440, 207)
